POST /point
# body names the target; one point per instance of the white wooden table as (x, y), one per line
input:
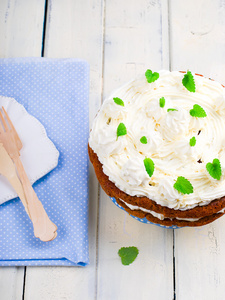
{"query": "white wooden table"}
(121, 39)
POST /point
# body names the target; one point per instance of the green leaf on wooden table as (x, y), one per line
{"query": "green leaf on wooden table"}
(149, 166)
(197, 111)
(128, 255)
(214, 169)
(143, 140)
(192, 141)
(162, 102)
(151, 77)
(121, 130)
(189, 82)
(183, 185)
(118, 101)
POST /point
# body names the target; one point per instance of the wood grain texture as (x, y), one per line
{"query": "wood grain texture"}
(74, 29)
(133, 42)
(59, 283)
(11, 283)
(198, 43)
(21, 24)
(200, 262)
(197, 37)
(120, 40)
(150, 275)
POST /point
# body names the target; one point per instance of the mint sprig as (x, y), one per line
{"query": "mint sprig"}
(171, 109)
(189, 82)
(143, 140)
(162, 102)
(128, 255)
(197, 111)
(183, 185)
(214, 169)
(150, 76)
(192, 142)
(118, 101)
(121, 130)
(149, 166)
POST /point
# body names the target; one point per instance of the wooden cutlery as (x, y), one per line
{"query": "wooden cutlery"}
(44, 228)
(8, 170)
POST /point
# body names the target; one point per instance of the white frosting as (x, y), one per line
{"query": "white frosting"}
(168, 135)
(133, 172)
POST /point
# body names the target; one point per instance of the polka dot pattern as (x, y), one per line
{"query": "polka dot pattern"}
(55, 91)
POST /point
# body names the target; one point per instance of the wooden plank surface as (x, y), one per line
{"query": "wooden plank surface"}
(74, 29)
(134, 34)
(11, 283)
(120, 39)
(21, 26)
(198, 44)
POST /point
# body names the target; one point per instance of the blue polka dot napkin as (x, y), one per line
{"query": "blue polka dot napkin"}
(55, 91)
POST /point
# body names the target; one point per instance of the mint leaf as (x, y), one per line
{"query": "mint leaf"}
(192, 141)
(128, 255)
(121, 130)
(149, 166)
(143, 140)
(183, 185)
(118, 101)
(151, 77)
(162, 102)
(171, 109)
(189, 82)
(214, 169)
(197, 111)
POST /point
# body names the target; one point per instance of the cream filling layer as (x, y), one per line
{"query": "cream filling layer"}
(168, 135)
(161, 216)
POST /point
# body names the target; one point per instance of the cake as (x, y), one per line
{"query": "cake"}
(158, 148)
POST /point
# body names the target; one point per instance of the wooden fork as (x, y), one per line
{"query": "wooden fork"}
(44, 228)
(8, 170)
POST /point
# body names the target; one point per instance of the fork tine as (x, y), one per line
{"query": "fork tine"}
(2, 134)
(9, 121)
(4, 122)
(1, 128)
(16, 136)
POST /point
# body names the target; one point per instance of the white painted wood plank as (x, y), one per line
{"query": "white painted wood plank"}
(56, 283)
(198, 44)
(150, 276)
(200, 262)
(74, 29)
(134, 41)
(11, 283)
(21, 24)
(197, 37)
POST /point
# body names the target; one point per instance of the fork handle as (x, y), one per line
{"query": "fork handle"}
(16, 184)
(44, 228)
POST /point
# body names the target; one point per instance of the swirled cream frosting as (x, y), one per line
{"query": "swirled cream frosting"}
(168, 133)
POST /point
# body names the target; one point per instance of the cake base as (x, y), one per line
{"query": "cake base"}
(167, 223)
(172, 217)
